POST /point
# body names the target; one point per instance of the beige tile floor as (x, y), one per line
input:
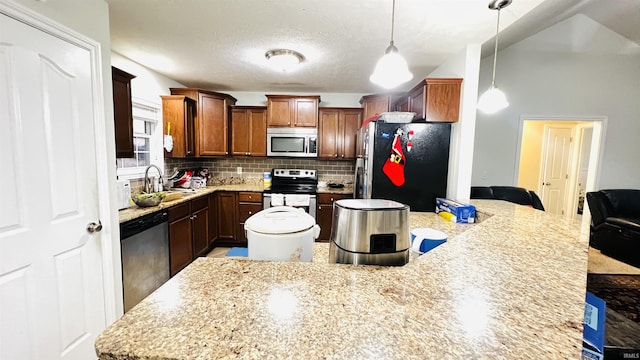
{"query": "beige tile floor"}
(218, 252)
(598, 263)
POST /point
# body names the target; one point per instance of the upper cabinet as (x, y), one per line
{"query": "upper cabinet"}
(376, 104)
(249, 131)
(436, 99)
(178, 112)
(292, 111)
(338, 129)
(211, 120)
(433, 99)
(122, 112)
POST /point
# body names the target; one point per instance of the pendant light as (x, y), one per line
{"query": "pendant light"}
(494, 100)
(391, 70)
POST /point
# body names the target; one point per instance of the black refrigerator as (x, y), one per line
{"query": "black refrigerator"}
(405, 162)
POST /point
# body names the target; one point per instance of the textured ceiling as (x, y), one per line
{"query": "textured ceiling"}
(220, 44)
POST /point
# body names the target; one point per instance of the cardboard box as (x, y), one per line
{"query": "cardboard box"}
(462, 213)
(593, 328)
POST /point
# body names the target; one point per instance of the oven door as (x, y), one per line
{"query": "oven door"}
(309, 209)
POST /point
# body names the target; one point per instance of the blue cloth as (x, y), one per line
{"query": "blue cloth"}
(238, 251)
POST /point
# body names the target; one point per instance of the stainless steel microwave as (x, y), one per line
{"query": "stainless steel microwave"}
(293, 142)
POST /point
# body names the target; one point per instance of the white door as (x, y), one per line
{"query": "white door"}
(556, 168)
(51, 283)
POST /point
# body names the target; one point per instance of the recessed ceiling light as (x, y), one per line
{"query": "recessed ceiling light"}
(283, 59)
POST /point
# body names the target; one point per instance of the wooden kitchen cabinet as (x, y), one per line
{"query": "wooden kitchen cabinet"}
(436, 99)
(292, 111)
(376, 104)
(200, 226)
(122, 112)
(211, 121)
(227, 219)
(249, 203)
(249, 131)
(324, 215)
(188, 232)
(338, 129)
(179, 111)
(213, 220)
(180, 233)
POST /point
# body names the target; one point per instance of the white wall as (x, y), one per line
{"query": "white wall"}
(576, 68)
(252, 98)
(91, 19)
(148, 85)
(463, 65)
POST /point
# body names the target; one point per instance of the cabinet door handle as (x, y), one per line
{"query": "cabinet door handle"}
(195, 216)
(331, 199)
(249, 212)
(343, 156)
(336, 155)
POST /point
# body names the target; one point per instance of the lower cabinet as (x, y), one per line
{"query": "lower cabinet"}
(200, 225)
(213, 219)
(188, 233)
(249, 203)
(227, 219)
(324, 215)
(180, 229)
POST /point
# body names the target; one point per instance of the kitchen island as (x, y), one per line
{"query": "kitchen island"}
(509, 287)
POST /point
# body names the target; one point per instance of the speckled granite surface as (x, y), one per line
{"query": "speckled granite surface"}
(135, 211)
(510, 287)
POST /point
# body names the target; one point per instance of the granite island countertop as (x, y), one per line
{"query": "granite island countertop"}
(509, 287)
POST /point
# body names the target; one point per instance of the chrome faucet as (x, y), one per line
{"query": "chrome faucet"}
(148, 185)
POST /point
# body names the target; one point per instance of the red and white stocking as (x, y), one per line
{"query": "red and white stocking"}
(394, 166)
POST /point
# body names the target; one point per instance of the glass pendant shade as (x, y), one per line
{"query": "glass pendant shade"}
(391, 70)
(492, 101)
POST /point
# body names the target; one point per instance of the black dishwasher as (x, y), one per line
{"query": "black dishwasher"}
(144, 244)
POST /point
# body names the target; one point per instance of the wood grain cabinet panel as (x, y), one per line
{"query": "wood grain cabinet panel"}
(211, 122)
(328, 133)
(122, 112)
(375, 104)
(213, 219)
(436, 99)
(249, 131)
(338, 129)
(324, 214)
(292, 111)
(179, 111)
(200, 226)
(180, 232)
(249, 203)
(227, 218)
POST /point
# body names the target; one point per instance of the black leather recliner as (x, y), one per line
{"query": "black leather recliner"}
(512, 194)
(615, 223)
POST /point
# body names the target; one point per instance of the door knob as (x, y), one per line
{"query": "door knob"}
(547, 184)
(93, 227)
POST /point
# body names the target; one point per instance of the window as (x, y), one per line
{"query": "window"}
(147, 141)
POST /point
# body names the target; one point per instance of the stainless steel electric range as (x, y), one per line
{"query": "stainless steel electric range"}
(292, 187)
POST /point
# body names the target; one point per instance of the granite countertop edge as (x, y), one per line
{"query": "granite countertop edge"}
(511, 286)
(133, 212)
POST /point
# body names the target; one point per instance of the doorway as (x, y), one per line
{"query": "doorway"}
(558, 159)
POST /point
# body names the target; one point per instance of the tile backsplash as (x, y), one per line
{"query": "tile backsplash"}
(328, 170)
